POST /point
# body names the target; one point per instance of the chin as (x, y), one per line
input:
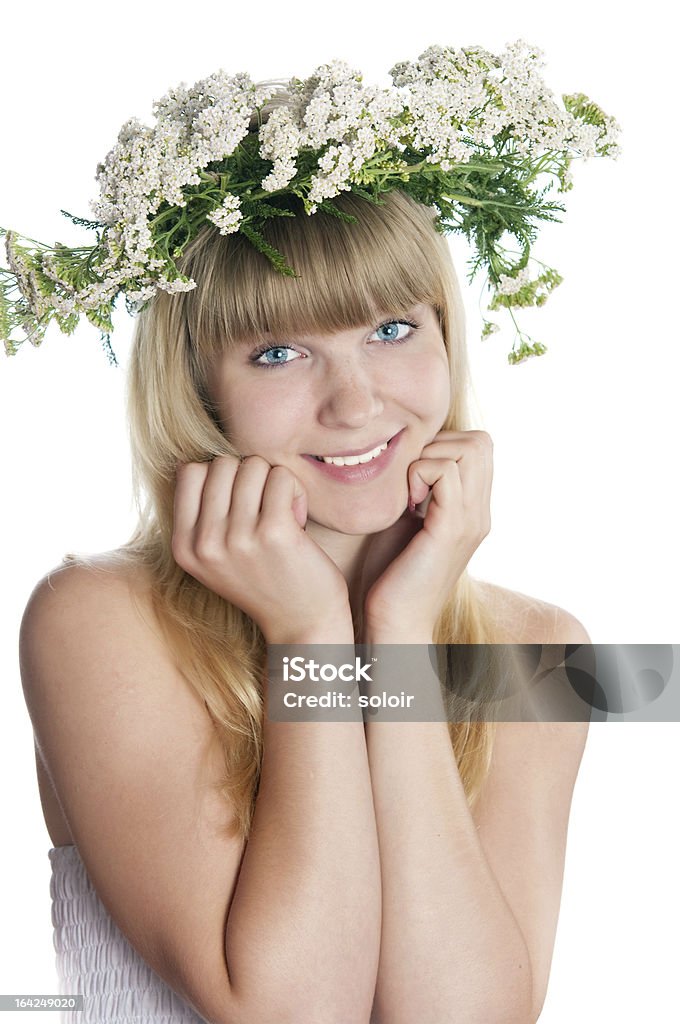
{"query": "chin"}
(362, 519)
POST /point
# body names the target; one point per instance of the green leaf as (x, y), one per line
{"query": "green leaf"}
(276, 258)
(82, 221)
(327, 206)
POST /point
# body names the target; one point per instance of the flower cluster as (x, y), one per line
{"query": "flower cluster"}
(473, 135)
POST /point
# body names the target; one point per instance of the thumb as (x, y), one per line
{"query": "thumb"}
(300, 504)
(418, 487)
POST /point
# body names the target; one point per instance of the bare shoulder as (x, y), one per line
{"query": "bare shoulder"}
(521, 619)
(549, 701)
(113, 713)
(109, 572)
(82, 607)
(106, 592)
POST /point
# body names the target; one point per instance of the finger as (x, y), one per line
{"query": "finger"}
(246, 495)
(189, 481)
(473, 453)
(474, 478)
(459, 442)
(448, 435)
(284, 499)
(217, 492)
(440, 477)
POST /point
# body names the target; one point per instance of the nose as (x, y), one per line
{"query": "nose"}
(351, 399)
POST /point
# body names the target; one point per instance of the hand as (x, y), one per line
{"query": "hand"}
(239, 529)
(411, 568)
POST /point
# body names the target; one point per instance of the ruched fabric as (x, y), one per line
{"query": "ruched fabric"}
(93, 957)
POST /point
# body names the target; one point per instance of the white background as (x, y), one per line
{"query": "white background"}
(584, 508)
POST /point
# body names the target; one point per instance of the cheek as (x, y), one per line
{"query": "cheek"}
(427, 387)
(257, 420)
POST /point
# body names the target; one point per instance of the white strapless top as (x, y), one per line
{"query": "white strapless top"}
(93, 957)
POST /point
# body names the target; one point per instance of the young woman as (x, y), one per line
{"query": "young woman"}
(209, 862)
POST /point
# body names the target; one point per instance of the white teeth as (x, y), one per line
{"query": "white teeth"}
(352, 460)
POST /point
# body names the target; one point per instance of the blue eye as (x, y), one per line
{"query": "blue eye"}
(276, 362)
(392, 326)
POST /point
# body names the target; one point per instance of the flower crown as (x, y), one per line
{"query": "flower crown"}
(462, 131)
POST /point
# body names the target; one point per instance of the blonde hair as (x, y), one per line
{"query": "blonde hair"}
(389, 260)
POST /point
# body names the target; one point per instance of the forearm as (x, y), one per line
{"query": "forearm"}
(303, 930)
(450, 947)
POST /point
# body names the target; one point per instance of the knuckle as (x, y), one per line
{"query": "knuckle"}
(275, 535)
(207, 548)
(485, 527)
(239, 544)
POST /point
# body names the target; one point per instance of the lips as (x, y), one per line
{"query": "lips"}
(346, 460)
(354, 451)
(363, 472)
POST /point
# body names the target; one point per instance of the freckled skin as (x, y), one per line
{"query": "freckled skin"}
(351, 390)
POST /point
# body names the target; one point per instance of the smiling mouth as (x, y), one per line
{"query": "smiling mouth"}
(355, 458)
(359, 468)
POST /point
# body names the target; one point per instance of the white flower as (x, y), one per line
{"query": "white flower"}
(136, 299)
(446, 108)
(279, 142)
(172, 287)
(335, 165)
(228, 216)
(509, 284)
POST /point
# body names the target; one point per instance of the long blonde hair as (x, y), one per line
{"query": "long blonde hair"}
(389, 260)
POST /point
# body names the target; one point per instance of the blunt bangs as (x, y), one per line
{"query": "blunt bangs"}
(350, 274)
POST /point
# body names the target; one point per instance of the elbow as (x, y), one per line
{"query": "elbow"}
(498, 998)
(516, 1001)
(298, 1008)
(517, 1008)
(513, 1012)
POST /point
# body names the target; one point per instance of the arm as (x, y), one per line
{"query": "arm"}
(460, 889)
(483, 888)
(286, 930)
(451, 947)
(304, 924)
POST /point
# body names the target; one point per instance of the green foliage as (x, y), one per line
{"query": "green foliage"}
(497, 196)
(276, 258)
(82, 221)
(533, 293)
(329, 207)
(525, 350)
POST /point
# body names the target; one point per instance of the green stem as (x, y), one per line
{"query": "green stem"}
(509, 309)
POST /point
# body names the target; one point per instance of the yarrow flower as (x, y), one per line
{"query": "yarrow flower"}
(228, 216)
(476, 137)
(279, 142)
(511, 284)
